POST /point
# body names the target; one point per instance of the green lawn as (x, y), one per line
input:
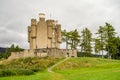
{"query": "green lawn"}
(78, 69)
(91, 74)
(38, 76)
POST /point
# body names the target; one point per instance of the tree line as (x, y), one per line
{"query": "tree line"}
(8, 51)
(105, 41)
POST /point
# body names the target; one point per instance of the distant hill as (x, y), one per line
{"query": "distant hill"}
(2, 50)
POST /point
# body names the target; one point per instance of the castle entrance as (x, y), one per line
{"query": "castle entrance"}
(68, 55)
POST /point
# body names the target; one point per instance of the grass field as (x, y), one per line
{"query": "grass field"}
(78, 69)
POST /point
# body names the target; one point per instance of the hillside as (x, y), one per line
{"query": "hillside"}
(25, 66)
(78, 69)
(89, 69)
(86, 62)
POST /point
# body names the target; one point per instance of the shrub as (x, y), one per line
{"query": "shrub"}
(23, 72)
(11, 72)
(35, 69)
(6, 72)
(26, 66)
(2, 66)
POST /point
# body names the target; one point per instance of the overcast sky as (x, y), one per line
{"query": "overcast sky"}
(15, 16)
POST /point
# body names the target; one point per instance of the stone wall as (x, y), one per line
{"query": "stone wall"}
(51, 52)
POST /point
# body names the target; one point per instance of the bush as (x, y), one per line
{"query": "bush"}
(83, 54)
(35, 69)
(6, 72)
(26, 66)
(11, 72)
(2, 66)
(23, 72)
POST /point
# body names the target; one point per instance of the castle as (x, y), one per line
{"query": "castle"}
(44, 34)
(44, 37)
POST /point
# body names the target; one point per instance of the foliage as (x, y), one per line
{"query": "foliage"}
(11, 72)
(6, 54)
(111, 47)
(65, 37)
(86, 47)
(8, 51)
(74, 39)
(26, 66)
(100, 40)
(97, 46)
(71, 38)
(14, 48)
(106, 40)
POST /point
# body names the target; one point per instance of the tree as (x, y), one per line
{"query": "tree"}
(101, 38)
(107, 38)
(86, 47)
(12, 48)
(7, 53)
(117, 42)
(97, 46)
(74, 39)
(65, 37)
(71, 38)
(111, 48)
(17, 49)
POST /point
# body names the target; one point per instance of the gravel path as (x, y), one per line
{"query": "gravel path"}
(50, 68)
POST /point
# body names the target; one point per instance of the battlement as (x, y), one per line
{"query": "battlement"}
(33, 22)
(50, 22)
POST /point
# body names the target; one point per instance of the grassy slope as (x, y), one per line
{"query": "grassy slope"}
(78, 69)
(90, 69)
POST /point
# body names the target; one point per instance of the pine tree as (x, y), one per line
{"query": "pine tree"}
(71, 38)
(12, 48)
(86, 47)
(111, 48)
(107, 38)
(97, 46)
(74, 39)
(101, 37)
(65, 37)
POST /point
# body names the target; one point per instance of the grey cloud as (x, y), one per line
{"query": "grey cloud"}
(16, 14)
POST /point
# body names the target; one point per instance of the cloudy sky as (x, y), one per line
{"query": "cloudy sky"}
(15, 16)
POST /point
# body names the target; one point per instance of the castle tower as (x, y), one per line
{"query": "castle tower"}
(32, 34)
(50, 32)
(58, 35)
(41, 32)
(44, 34)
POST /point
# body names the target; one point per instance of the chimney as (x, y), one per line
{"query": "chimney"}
(42, 17)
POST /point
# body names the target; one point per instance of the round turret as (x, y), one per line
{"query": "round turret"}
(41, 15)
(33, 22)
